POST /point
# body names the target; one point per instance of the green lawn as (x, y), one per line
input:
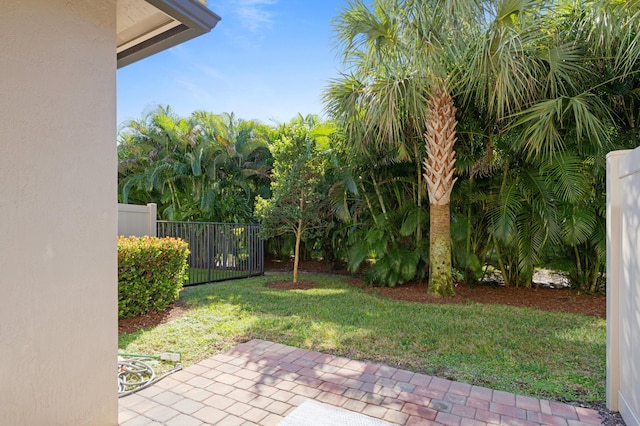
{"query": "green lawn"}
(537, 353)
(203, 275)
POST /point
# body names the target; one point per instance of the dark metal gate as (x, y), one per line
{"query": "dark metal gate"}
(219, 251)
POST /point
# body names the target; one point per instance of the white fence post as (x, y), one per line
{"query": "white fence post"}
(137, 220)
(613, 273)
(152, 219)
(623, 284)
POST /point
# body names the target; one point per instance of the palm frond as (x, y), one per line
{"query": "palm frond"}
(498, 72)
(564, 67)
(578, 225)
(541, 204)
(565, 174)
(413, 218)
(540, 122)
(503, 213)
(339, 199)
(588, 113)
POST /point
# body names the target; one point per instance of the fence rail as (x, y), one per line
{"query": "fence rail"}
(219, 251)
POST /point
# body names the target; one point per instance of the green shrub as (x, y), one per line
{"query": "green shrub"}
(151, 272)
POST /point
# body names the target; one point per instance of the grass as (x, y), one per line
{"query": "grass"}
(204, 275)
(538, 353)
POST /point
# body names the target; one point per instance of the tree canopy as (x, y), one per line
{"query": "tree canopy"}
(204, 167)
(502, 110)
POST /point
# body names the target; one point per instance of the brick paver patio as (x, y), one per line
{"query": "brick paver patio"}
(260, 382)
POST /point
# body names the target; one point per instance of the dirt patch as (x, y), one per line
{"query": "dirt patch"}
(133, 324)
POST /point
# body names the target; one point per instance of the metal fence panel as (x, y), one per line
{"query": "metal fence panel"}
(219, 251)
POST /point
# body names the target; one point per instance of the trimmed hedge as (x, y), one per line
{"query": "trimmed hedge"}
(151, 272)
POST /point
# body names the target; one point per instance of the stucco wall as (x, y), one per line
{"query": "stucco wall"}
(623, 284)
(136, 220)
(58, 272)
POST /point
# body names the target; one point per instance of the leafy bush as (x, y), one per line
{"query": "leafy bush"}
(151, 272)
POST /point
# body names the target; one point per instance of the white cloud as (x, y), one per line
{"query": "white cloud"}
(254, 14)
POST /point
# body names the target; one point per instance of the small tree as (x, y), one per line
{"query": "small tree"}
(297, 199)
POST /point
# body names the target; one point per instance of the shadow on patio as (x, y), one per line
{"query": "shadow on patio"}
(260, 383)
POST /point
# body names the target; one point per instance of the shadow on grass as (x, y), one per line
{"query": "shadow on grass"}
(538, 353)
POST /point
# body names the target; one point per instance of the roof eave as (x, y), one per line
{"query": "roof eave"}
(195, 19)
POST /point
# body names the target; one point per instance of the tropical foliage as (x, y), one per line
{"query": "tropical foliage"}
(205, 167)
(533, 82)
(483, 125)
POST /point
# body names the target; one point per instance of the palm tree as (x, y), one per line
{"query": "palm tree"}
(401, 57)
(152, 160)
(525, 69)
(238, 166)
(581, 62)
(204, 167)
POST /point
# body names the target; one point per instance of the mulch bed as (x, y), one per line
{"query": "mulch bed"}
(545, 298)
(133, 324)
(548, 299)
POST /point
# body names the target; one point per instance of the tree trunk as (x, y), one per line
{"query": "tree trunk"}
(440, 279)
(438, 173)
(296, 252)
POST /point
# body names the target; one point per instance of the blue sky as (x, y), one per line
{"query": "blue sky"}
(265, 60)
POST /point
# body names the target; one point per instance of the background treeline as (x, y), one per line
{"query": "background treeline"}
(543, 91)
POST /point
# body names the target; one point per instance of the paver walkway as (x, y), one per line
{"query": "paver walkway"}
(260, 382)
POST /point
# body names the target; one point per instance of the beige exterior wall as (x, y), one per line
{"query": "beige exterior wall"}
(137, 220)
(58, 264)
(623, 284)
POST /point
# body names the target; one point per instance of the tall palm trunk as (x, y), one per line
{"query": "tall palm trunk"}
(438, 174)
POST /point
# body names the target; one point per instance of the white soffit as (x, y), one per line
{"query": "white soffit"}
(145, 27)
(139, 21)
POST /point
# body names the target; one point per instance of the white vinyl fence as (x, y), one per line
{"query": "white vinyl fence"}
(136, 221)
(623, 284)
